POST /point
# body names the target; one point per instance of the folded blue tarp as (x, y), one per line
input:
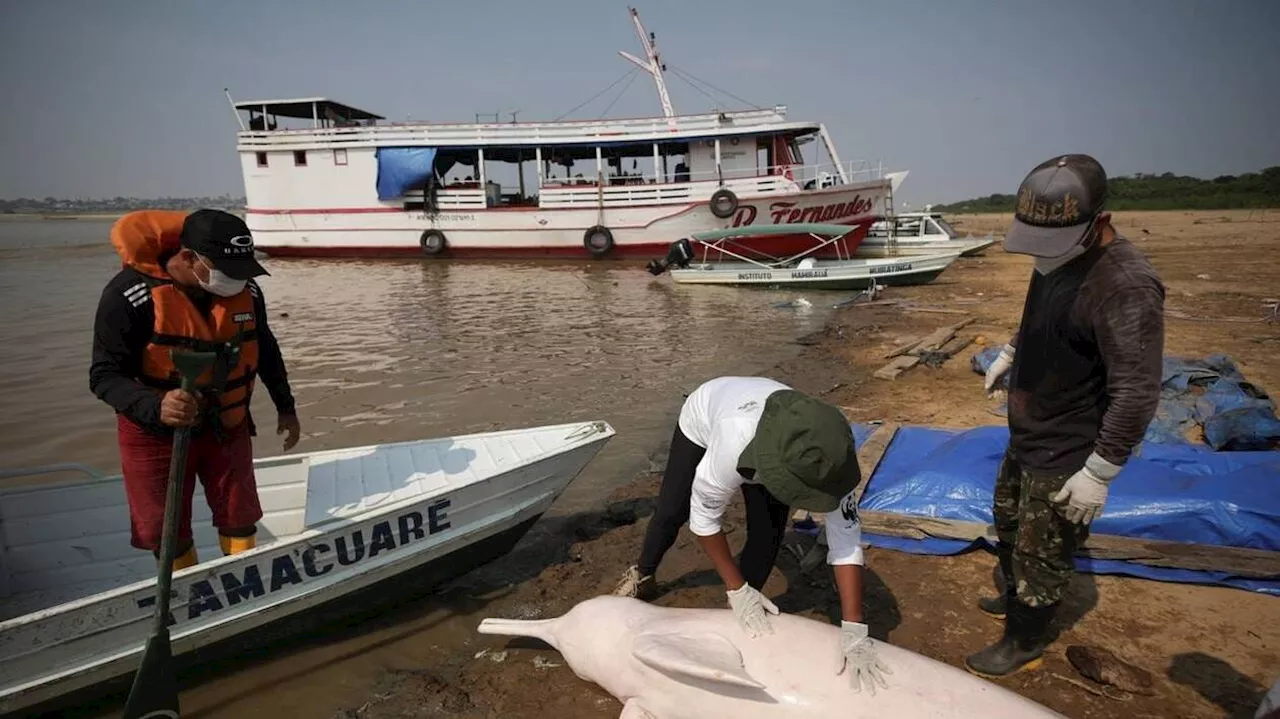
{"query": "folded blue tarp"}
(1210, 394)
(400, 169)
(1175, 492)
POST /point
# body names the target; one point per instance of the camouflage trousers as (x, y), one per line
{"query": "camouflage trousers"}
(1036, 541)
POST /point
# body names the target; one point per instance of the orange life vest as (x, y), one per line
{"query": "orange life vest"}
(145, 238)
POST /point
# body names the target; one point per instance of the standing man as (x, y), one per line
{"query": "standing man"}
(1085, 368)
(781, 449)
(187, 284)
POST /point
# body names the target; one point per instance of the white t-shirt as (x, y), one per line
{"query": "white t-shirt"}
(721, 416)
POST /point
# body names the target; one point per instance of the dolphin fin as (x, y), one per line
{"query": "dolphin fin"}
(633, 710)
(700, 655)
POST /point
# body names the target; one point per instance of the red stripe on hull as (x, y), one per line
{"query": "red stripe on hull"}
(778, 246)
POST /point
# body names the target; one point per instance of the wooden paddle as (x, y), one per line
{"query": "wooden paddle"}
(155, 687)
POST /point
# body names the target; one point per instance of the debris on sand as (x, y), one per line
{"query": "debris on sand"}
(1103, 666)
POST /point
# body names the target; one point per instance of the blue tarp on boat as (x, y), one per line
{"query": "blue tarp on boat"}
(1176, 492)
(1208, 396)
(400, 169)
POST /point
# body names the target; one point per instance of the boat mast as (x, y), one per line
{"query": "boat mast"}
(653, 66)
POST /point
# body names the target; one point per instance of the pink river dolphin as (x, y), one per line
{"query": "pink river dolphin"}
(670, 663)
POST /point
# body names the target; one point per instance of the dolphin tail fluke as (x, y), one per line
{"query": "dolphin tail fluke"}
(535, 628)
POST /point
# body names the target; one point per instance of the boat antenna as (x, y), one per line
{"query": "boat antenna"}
(654, 66)
(234, 111)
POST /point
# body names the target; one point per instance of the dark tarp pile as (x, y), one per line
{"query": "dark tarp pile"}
(1174, 492)
(1208, 397)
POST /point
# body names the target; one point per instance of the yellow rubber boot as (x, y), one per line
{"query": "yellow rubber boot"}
(236, 545)
(187, 559)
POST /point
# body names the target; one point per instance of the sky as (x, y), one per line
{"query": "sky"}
(126, 97)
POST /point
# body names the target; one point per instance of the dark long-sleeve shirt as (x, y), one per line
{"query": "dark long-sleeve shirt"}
(121, 330)
(1087, 366)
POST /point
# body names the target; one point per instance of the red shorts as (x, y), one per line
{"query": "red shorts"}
(225, 470)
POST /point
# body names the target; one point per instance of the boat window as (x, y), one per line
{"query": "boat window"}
(946, 227)
(300, 158)
(262, 159)
(674, 160)
(340, 156)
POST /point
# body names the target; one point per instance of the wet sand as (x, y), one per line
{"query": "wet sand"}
(417, 656)
(1213, 651)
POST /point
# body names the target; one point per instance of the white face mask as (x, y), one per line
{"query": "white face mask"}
(1045, 265)
(219, 283)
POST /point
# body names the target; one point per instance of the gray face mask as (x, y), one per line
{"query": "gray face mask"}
(1045, 265)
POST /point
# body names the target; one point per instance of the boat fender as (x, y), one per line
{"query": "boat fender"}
(723, 203)
(433, 243)
(598, 240)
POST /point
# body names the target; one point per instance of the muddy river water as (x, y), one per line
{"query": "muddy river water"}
(383, 351)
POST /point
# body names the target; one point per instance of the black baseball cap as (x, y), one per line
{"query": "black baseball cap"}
(1057, 204)
(224, 239)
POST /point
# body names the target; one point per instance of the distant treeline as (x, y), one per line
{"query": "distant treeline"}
(1163, 192)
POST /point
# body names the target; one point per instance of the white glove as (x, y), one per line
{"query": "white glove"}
(999, 366)
(858, 655)
(1086, 491)
(750, 607)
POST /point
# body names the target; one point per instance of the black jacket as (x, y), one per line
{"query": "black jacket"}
(122, 329)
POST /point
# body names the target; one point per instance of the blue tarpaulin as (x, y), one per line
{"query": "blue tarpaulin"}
(1206, 396)
(1175, 492)
(402, 168)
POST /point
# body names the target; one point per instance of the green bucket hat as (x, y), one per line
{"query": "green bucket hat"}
(803, 452)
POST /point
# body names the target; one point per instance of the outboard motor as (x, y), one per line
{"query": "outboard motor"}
(679, 255)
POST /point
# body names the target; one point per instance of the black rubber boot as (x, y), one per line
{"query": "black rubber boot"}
(1021, 647)
(998, 607)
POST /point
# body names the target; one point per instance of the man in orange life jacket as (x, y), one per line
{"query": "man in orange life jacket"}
(187, 283)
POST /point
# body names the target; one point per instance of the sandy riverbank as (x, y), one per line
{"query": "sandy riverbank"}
(1213, 651)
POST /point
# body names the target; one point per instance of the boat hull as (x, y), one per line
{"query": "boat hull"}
(424, 529)
(362, 604)
(644, 231)
(836, 275)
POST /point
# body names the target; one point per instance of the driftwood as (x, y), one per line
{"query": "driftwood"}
(1104, 667)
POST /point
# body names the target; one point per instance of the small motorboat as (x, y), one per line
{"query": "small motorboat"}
(746, 266)
(76, 599)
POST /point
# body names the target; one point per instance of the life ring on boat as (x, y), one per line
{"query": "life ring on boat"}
(723, 203)
(433, 243)
(598, 240)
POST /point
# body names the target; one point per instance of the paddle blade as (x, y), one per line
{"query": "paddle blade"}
(155, 688)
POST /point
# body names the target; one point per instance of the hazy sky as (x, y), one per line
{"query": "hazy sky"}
(124, 97)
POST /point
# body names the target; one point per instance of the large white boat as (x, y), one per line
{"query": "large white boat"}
(348, 183)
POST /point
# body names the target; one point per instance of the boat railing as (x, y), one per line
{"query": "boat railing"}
(699, 186)
(449, 133)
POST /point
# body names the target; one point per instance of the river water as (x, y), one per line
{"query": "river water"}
(384, 351)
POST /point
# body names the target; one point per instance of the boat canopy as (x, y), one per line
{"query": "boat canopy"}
(322, 112)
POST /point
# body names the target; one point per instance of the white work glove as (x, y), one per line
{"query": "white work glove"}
(858, 656)
(1086, 491)
(750, 607)
(999, 366)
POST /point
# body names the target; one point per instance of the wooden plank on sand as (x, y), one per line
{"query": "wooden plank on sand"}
(897, 367)
(903, 348)
(1237, 561)
(953, 347)
(940, 337)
